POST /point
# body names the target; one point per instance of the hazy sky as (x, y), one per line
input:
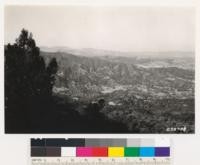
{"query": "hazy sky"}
(112, 28)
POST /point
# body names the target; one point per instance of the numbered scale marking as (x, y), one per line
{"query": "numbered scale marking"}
(99, 161)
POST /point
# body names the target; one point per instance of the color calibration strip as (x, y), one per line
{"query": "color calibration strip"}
(115, 148)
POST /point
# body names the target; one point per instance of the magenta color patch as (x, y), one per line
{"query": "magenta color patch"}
(83, 151)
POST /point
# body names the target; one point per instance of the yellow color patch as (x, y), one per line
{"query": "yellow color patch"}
(116, 151)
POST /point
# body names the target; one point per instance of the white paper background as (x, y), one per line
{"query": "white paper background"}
(14, 149)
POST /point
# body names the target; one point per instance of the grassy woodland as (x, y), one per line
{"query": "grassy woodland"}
(96, 91)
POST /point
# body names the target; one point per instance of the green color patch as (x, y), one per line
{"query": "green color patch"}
(131, 151)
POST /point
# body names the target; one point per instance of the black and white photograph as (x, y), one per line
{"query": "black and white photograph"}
(99, 69)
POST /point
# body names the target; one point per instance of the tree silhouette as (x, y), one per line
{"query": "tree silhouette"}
(51, 72)
(28, 81)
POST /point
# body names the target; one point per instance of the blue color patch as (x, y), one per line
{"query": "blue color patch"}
(147, 151)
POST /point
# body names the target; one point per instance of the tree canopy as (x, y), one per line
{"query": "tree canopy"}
(27, 78)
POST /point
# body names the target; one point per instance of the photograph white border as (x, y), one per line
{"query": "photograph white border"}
(19, 142)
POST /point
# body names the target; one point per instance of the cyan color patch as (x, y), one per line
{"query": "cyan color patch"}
(147, 151)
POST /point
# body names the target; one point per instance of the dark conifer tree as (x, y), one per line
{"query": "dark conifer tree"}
(27, 80)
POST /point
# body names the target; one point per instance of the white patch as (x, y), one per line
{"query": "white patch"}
(111, 103)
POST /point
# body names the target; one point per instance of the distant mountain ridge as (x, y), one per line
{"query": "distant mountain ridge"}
(90, 52)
